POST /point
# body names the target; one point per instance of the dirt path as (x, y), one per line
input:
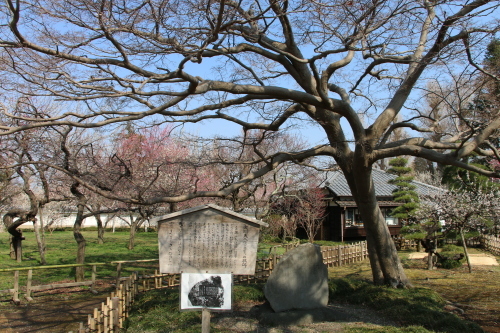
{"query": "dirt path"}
(51, 313)
(48, 314)
(341, 316)
(475, 259)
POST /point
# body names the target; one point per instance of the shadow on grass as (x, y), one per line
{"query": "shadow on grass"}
(417, 310)
(409, 307)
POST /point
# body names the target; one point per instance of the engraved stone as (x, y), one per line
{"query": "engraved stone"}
(299, 280)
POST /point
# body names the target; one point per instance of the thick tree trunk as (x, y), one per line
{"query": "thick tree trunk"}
(77, 233)
(377, 275)
(134, 225)
(40, 240)
(464, 244)
(131, 238)
(384, 260)
(81, 244)
(16, 237)
(18, 248)
(430, 265)
(12, 248)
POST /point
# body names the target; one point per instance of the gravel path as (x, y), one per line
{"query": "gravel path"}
(475, 259)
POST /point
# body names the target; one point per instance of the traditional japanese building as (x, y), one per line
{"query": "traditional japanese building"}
(343, 221)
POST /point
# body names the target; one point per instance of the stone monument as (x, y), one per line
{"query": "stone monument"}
(299, 281)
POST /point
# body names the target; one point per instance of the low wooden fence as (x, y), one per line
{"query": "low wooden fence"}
(113, 313)
(406, 244)
(491, 244)
(413, 245)
(29, 288)
(471, 242)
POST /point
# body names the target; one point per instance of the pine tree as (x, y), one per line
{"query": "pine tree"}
(405, 192)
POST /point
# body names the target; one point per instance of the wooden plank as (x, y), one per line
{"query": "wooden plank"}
(133, 261)
(7, 291)
(51, 267)
(61, 285)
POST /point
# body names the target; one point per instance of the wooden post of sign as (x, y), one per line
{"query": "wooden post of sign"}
(205, 320)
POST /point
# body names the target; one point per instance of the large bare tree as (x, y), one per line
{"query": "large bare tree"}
(347, 68)
(25, 149)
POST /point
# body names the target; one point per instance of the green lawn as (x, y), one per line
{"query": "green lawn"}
(61, 249)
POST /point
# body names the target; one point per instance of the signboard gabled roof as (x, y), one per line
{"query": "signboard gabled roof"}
(213, 207)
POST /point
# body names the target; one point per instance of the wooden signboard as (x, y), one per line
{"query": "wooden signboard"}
(208, 239)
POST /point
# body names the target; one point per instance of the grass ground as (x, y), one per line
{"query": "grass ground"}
(425, 308)
(442, 300)
(61, 249)
(472, 296)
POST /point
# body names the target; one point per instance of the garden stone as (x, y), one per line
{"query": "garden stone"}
(299, 280)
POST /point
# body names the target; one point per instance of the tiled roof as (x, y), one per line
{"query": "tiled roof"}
(350, 203)
(337, 183)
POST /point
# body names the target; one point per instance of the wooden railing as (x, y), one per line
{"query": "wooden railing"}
(29, 289)
(112, 314)
(110, 317)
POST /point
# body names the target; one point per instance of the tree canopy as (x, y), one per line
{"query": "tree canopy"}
(356, 71)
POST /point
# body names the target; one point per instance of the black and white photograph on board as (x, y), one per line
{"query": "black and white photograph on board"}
(205, 290)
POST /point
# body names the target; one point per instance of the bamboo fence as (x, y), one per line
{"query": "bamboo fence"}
(110, 317)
